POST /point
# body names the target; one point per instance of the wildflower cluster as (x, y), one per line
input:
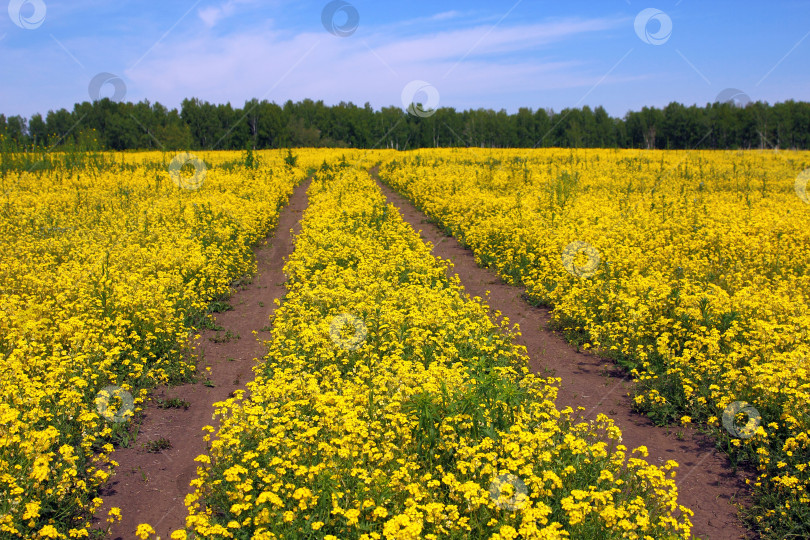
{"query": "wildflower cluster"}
(689, 268)
(105, 270)
(389, 405)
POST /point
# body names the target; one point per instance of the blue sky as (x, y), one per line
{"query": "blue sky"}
(510, 54)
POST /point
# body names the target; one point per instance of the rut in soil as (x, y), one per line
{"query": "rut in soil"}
(150, 484)
(706, 483)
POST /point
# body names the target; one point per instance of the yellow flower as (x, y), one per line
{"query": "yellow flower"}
(352, 515)
(144, 530)
(31, 510)
(48, 531)
(114, 514)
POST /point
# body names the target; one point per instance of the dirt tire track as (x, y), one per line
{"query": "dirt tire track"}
(706, 483)
(151, 487)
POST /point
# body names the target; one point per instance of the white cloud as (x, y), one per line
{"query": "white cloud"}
(211, 15)
(443, 16)
(466, 65)
(481, 40)
(438, 17)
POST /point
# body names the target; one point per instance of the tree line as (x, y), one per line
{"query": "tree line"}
(200, 125)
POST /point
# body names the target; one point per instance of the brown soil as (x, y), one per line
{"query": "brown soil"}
(705, 480)
(151, 487)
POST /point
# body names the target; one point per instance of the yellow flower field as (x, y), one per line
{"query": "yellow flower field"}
(105, 270)
(390, 406)
(689, 268)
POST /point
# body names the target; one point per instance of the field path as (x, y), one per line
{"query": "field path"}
(706, 483)
(151, 487)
